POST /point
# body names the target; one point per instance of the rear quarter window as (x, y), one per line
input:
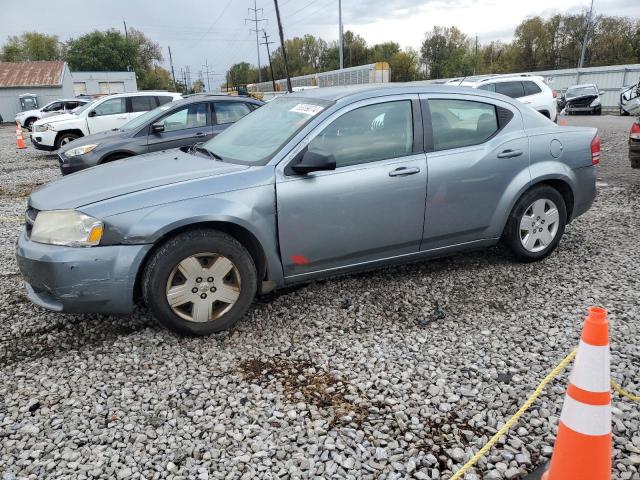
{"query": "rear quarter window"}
(491, 87)
(164, 99)
(531, 88)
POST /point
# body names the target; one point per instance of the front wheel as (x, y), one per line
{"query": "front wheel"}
(536, 224)
(199, 282)
(65, 138)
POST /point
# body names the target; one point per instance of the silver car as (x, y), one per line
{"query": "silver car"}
(312, 184)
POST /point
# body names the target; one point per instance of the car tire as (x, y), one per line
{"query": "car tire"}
(634, 158)
(533, 229)
(65, 138)
(198, 260)
(623, 112)
(113, 158)
(597, 111)
(28, 124)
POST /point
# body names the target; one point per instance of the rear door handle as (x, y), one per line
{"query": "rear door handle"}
(122, 118)
(404, 171)
(510, 153)
(201, 134)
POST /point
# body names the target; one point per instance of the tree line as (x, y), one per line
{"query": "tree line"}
(538, 44)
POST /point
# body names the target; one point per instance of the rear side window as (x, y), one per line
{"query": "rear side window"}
(510, 89)
(189, 116)
(143, 104)
(252, 106)
(461, 123)
(230, 112)
(113, 106)
(531, 88)
(488, 86)
(164, 99)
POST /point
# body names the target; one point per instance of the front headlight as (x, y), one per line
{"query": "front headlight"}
(74, 152)
(67, 227)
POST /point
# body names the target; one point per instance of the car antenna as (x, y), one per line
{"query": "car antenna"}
(463, 79)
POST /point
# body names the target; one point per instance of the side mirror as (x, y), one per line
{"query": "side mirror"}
(314, 162)
(157, 127)
(92, 113)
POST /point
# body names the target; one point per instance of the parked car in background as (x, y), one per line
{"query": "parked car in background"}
(182, 123)
(312, 184)
(634, 144)
(629, 101)
(528, 89)
(105, 113)
(57, 107)
(583, 99)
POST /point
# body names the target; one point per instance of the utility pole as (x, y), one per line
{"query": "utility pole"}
(256, 21)
(126, 33)
(341, 39)
(188, 77)
(267, 43)
(207, 72)
(475, 56)
(173, 74)
(284, 49)
(586, 37)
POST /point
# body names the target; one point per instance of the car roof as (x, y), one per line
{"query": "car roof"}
(140, 93)
(212, 97)
(364, 91)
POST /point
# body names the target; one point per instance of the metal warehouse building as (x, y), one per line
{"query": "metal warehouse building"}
(93, 83)
(48, 80)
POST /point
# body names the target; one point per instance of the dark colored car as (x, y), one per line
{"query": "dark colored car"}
(634, 144)
(182, 123)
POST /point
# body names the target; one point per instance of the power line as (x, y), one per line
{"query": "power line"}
(256, 21)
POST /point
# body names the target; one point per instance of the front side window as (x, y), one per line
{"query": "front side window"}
(510, 89)
(461, 123)
(142, 104)
(491, 87)
(367, 134)
(113, 106)
(230, 112)
(191, 116)
(54, 107)
(164, 99)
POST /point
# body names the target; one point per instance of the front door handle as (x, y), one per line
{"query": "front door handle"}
(404, 171)
(122, 118)
(201, 134)
(510, 153)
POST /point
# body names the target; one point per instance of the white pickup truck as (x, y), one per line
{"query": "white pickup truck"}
(105, 113)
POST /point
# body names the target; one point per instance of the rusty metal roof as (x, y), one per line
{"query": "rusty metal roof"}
(31, 74)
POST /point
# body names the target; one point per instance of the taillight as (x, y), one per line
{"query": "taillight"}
(595, 150)
(635, 131)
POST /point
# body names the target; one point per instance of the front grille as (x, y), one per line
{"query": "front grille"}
(581, 102)
(29, 219)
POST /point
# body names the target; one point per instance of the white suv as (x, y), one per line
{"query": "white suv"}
(105, 113)
(27, 118)
(528, 89)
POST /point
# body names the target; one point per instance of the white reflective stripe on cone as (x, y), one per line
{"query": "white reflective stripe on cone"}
(586, 419)
(591, 368)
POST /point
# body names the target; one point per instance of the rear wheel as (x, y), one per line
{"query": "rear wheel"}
(199, 282)
(634, 158)
(65, 138)
(536, 224)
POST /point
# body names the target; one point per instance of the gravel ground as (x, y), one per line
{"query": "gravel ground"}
(404, 372)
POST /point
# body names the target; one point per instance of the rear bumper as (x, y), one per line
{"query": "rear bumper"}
(80, 280)
(585, 191)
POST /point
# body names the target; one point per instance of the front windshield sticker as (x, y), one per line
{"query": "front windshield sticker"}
(307, 108)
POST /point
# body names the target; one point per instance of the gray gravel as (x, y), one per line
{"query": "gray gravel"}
(400, 373)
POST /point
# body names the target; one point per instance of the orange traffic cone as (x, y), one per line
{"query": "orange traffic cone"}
(583, 444)
(19, 137)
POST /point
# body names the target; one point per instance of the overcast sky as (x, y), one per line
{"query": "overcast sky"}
(215, 30)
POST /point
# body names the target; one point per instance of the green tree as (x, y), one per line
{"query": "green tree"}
(31, 46)
(446, 52)
(155, 78)
(242, 73)
(383, 52)
(101, 51)
(405, 66)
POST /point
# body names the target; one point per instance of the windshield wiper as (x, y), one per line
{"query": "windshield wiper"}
(199, 148)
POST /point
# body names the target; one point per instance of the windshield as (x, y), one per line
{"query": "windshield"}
(579, 91)
(254, 139)
(142, 119)
(81, 109)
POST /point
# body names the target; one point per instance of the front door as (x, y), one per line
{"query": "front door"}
(480, 150)
(372, 205)
(110, 114)
(182, 127)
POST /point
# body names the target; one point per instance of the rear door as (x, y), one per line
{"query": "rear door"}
(226, 113)
(184, 126)
(478, 153)
(110, 114)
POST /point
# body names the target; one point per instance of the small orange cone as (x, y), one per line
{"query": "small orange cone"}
(19, 137)
(583, 444)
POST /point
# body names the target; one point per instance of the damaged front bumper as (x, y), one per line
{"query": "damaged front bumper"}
(80, 280)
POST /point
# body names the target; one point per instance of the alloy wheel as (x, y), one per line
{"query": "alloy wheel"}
(539, 225)
(203, 287)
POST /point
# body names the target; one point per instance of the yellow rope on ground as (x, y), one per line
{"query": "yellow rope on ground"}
(623, 393)
(507, 426)
(12, 219)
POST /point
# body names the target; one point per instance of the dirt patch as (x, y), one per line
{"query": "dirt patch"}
(20, 190)
(304, 381)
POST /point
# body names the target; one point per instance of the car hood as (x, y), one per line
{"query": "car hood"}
(58, 118)
(99, 138)
(26, 113)
(127, 176)
(582, 98)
